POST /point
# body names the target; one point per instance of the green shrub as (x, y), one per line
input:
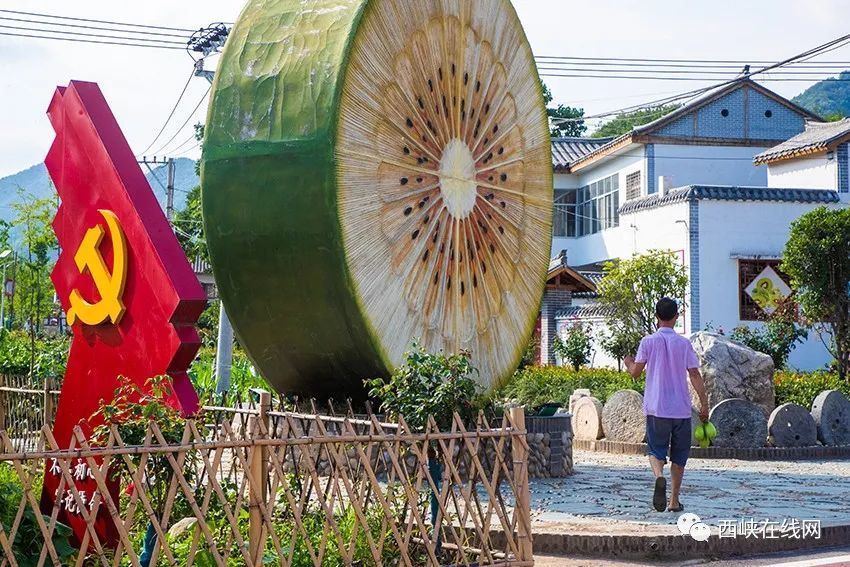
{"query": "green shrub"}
(802, 387)
(576, 347)
(538, 385)
(428, 384)
(16, 349)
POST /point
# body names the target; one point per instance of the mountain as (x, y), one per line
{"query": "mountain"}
(34, 180)
(829, 98)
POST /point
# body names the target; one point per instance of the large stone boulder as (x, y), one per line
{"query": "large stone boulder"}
(623, 418)
(732, 370)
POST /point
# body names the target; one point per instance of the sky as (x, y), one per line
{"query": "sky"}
(141, 85)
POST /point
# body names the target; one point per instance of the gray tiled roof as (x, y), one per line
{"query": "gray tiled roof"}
(567, 150)
(730, 193)
(816, 136)
(589, 311)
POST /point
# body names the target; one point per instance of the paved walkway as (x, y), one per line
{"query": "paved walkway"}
(611, 494)
(810, 558)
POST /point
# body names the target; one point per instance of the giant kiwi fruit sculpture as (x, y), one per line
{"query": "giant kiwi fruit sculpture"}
(374, 172)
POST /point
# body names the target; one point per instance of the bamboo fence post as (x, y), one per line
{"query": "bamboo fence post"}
(48, 402)
(519, 452)
(3, 401)
(257, 495)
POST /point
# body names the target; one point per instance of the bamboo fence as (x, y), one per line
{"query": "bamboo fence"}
(252, 486)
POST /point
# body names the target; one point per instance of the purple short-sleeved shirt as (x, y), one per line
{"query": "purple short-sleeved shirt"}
(668, 357)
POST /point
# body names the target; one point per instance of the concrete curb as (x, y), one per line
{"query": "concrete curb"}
(754, 454)
(674, 546)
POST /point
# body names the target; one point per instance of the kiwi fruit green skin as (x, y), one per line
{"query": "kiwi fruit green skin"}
(269, 197)
(270, 185)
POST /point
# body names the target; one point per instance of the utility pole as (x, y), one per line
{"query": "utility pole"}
(169, 192)
(207, 42)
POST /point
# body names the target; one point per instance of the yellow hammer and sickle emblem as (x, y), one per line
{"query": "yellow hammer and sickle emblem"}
(109, 286)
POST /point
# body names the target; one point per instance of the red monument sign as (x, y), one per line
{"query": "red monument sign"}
(123, 279)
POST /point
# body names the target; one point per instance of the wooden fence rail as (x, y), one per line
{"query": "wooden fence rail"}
(251, 486)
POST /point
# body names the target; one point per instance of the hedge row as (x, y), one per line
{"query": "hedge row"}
(537, 385)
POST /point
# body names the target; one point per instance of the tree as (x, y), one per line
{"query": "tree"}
(778, 337)
(189, 227)
(625, 122)
(570, 128)
(817, 259)
(576, 347)
(630, 289)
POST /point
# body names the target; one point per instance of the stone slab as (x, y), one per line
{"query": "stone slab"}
(831, 412)
(587, 418)
(791, 425)
(739, 423)
(623, 418)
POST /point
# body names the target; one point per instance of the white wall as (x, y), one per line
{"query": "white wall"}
(751, 228)
(814, 172)
(709, 165)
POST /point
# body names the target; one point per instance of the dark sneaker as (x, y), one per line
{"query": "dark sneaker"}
(659, 495)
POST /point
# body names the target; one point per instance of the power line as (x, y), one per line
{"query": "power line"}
(126, 24)
(170, 114)
(700, 79)
(546, 67)
(75, 40)
(84, 34)
(99, 28)
(737, 62)
(188, 118)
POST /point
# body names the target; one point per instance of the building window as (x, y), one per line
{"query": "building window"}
(598, 206)
(564, 223)
(748, 271)
(633, 186)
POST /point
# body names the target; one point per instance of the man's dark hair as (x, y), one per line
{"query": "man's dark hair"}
(666, 309)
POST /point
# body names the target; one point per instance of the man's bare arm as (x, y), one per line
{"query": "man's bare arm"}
(634, 368)
(699, 386)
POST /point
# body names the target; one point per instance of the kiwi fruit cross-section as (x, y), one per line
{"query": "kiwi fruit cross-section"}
(374, 172)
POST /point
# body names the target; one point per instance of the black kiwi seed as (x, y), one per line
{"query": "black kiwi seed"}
(409, 123)
(490, 178)
(421, 204)
(465, 78)
(501, 229)
(489, 216)
(477, 86)
(501, 150)
(474, 281)
(414, 234)
(462, 103)
(449, 282)
(434, 240)
(504, 177)
(452, 256)
(503, 204)
(487, 108)
(486, 139)
(440, 73)
(495, 128)
(421, 103)
(442, 247)
(431, 85)
(425, 200)
(419, 180)
(403, 181)
(420, 160)
(463, 115)
(425, 255)
(436, 275)
(462, 289)
(484, 228)
(406, 150)
(453, 68)
(492, 248)
(408, 210)
(490, 155)
(483, 267)
(490, 196)
(428, 217)
(475, 133)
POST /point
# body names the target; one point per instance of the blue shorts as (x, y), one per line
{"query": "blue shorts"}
(664, 432)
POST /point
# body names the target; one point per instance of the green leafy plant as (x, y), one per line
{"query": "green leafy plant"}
(817, 259)
(630, 289)
(620, 342)
(576, 347)
(803, 387)
(537, 385)
(779, 335)
(428, 385)
(28, 540)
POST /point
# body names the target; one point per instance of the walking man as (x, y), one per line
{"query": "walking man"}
(669, 359)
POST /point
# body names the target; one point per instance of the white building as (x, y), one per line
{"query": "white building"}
(687, 183)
